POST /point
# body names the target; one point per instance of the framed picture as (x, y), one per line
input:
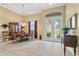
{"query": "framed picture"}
(73, 22)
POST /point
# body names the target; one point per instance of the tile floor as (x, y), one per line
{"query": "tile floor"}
(33, 48)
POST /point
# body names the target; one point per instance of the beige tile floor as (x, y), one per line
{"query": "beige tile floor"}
(33, 48)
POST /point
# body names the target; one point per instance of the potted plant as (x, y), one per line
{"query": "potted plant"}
(66, 29)
(49, 34)
(4, 26)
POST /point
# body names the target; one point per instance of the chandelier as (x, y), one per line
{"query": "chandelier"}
(23, 24)
(23, 9)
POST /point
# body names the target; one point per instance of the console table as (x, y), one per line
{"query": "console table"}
(70, 41)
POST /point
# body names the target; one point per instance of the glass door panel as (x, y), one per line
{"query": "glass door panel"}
(53, 28)
(56, 28)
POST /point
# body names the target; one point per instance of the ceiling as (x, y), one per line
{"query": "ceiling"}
(29, 8)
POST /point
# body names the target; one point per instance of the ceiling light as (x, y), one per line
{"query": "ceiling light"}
(50, 3)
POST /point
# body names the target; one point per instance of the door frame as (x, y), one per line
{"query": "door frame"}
(45, 25)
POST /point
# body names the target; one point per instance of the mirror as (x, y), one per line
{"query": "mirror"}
(72, 22)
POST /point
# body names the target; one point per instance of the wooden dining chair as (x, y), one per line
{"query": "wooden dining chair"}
(6, 36)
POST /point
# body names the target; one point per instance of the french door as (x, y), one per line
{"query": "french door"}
(53, 28)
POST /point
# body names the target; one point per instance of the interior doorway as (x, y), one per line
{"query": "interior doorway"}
(33, 29)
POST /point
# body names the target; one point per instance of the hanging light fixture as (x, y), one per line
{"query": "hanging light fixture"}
(23, 24)
(23, 8)
(50, 4)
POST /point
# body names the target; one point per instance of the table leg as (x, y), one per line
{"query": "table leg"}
(64, 50)
(74, 51)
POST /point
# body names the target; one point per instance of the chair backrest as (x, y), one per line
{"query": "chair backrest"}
(5, 33)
